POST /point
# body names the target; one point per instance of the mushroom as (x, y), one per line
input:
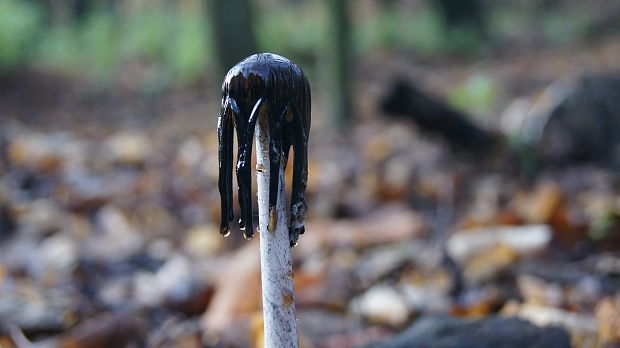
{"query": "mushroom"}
(267, 96)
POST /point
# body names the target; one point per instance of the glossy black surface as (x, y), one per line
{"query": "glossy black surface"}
(272, 84)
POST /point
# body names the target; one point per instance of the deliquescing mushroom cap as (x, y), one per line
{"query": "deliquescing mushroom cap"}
(270, 84)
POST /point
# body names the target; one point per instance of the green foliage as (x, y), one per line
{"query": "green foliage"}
(297, 30)
(563, 28)
(20, 25)
(188, 58)
(89, 49)
(377, 32)
(170, 46)
(171, 43)
(477, 95)
(463, 41)
(507, 21)
(59, 50)
(556, 26)
(421, 32)
(602, 226)
(424, 33)
(145, 34)
(98, 40)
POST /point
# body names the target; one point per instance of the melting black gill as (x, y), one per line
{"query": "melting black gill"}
(272, 84)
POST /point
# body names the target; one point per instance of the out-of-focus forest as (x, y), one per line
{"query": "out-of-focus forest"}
(463, 173)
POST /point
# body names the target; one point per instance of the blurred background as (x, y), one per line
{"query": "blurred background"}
(463, 185)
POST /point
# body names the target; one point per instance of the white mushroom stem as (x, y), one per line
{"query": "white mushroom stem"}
(275, 252)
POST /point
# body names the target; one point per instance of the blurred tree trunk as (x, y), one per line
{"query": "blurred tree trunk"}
(69, 12)
(339, 62)
(232, 29)
(60, 12)
(459, 14)
(83, 8)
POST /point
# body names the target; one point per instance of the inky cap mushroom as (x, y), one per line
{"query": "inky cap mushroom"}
(272, 84)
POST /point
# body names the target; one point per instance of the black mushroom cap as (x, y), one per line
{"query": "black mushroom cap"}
(270, 84)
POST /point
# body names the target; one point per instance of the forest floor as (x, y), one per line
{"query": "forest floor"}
(109, 216)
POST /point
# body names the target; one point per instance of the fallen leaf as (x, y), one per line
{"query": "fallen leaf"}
(382, 304)
(582, 327)
(237, 289)
(103, 331)
(607, 314)
(523, 240)
(203, 241)
(538, 207)
(486, 265)
(385, 226)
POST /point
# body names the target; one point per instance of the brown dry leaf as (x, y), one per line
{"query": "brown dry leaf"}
(129, 147)
(194, 304)
(189, 341)
(383, 305)
(539, 206)
(511, 308)
(203, 241)
(174, 332)
(317, 290)
(3, 273)
(607, 313)
(386, 226)
(237, 289)
(317, 282)
(486, 265)
(103, 331)
(257, 330)
(36, 151)
(526, 240)
(581, 327)
(307, 280)
(356, 338)
(377, 148)
(6, 342)
(482, 306)
(536, 291)
(507, 218)
(477, 310)
(565, 231)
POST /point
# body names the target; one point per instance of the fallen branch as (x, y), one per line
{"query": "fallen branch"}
(405, 101)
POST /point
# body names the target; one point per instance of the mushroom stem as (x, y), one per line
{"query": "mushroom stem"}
(275, 251)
